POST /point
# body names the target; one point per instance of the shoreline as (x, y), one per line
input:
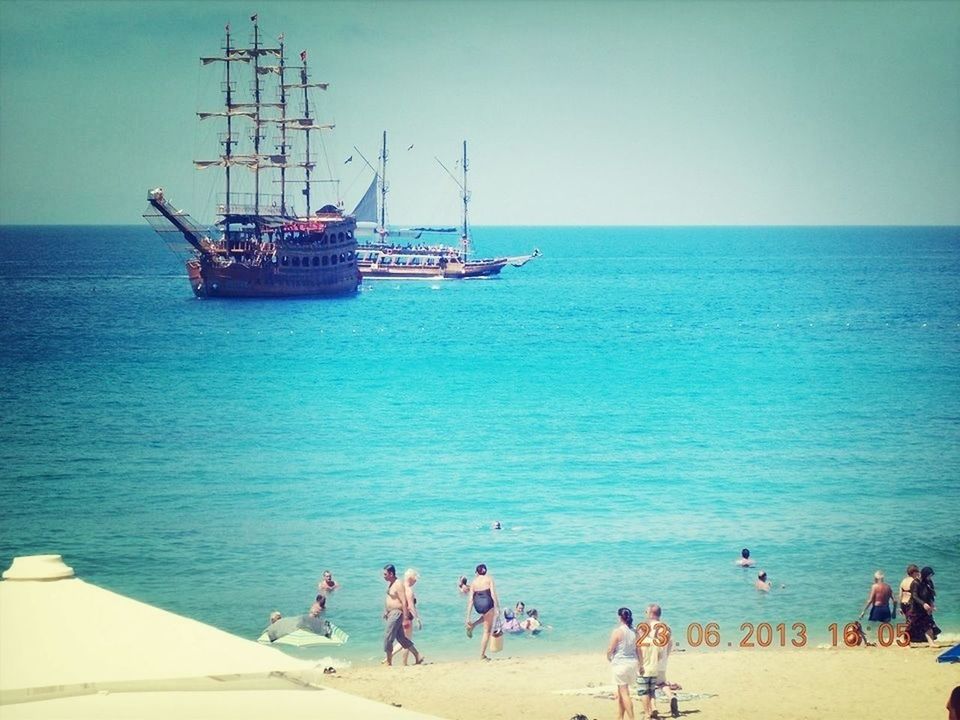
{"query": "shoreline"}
(775, 683)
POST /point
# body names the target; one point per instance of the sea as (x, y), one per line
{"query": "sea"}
(633, 407)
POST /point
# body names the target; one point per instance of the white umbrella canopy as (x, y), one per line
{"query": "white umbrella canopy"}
(59, 633)
(323, 704)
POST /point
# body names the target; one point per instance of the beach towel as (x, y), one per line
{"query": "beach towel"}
(951, 656)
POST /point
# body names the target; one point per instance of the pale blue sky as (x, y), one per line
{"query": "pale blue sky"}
(576, 113)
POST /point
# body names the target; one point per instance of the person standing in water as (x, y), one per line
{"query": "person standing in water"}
(878, 600)
(395, 609)
(327, 584)
(482, 598)
(744, 559)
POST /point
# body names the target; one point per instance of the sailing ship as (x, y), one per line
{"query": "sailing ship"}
(378, 256)
(262, 246)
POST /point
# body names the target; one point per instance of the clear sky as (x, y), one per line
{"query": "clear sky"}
(576, 113)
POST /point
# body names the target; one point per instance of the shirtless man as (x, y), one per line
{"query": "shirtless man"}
(395, 609)
(745, 560)
(762, 584)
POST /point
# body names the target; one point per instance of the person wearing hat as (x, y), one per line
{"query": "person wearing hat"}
(878, 600)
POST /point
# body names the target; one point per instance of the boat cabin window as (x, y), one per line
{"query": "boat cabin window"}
(326, 260)
(350, 235)
(284, 260)
(415, 261)
(343, 258)
(323, 239)
(340, 237)
(401, 260)
(333, 259)
(316, 261)
(386, 260)
(350, 255)
(296, 261)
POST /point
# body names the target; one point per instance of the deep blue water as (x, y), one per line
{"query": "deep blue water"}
(635, 406)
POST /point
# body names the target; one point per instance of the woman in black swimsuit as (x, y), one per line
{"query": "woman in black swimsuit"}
(482, 598)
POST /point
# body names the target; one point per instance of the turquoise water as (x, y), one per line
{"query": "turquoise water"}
(634, 407)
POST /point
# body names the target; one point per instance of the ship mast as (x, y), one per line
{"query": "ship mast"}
(228, 140)
(383, 187)
(283, 132)
(465, 240)
(256, 120)
(307, 165)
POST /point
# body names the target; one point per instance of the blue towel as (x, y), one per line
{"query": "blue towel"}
(951, 655)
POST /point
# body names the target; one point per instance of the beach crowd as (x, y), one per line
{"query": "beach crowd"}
(638, 653)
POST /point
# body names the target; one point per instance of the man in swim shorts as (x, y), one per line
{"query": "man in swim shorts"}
(395, 609)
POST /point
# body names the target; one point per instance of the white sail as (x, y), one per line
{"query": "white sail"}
(366, 209)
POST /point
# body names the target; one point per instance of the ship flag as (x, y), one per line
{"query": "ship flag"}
(253, 18)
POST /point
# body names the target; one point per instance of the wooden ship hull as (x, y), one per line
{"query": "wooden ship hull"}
(270, 281)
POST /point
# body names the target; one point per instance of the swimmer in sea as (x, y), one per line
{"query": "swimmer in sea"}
(327, 584)
(462, 585)
(744, 559)
(762, 583)
(482, 598)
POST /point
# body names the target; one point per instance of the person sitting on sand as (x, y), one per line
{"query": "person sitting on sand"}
(878, 600)
(762, 583)
(744, 559)
(327, 584)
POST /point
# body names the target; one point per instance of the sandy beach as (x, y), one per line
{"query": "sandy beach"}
(906, 684)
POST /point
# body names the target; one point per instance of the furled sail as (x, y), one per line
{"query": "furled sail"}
(322, 86)
(208, 60)
(366, 209)
(228, 113)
